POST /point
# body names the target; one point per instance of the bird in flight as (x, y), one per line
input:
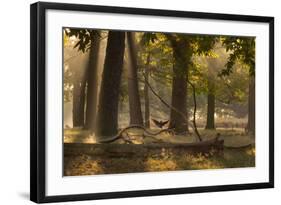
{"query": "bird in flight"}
(160, 123)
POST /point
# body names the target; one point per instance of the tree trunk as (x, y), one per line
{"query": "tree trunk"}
(179, 98)
(133, 89)
(179, 90)
(211, 103)
(92, 87)
(78, 108)
(107, 114)
(251, 106)
(211, 112)
(146, 94)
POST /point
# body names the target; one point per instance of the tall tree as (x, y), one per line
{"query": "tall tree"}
(87, 41)
(251, 106)
(179, 89)
(78, 101)
(84, 37)
(184, 47)
(146, 93)
(210, 109)
(210, 124)
(92, 78)
(107, 114)
(243, 49)
(133, 89)
(177, 54)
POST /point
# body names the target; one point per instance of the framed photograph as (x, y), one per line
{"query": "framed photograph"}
(129, 102)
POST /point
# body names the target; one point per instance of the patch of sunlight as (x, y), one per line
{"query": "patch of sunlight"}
(152, 164)
(76, 131)
(78, 135)
(201, 161)
(83, 165)
(251, 151)
(90, 140)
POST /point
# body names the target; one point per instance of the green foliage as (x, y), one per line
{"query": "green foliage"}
(230, 91)
(241, 49)
(148, 38)
(85, 37)
(234, 88)
(197, 75)
(209, 57)
(203, 45)
(160, 65)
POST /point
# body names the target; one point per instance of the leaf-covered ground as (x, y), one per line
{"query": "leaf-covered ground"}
(90, 165)
(82, 164)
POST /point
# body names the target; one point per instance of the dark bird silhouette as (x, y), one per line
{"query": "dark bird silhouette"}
(160, 123)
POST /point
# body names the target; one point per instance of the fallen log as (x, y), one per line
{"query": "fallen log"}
(142, 150)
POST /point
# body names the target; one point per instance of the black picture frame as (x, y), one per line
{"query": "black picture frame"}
(38, 103)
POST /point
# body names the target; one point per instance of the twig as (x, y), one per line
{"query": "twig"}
(194, 110)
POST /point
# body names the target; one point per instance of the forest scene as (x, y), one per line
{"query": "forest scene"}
(156, 101)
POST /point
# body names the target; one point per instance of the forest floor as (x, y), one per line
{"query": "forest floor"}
(87, 164)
